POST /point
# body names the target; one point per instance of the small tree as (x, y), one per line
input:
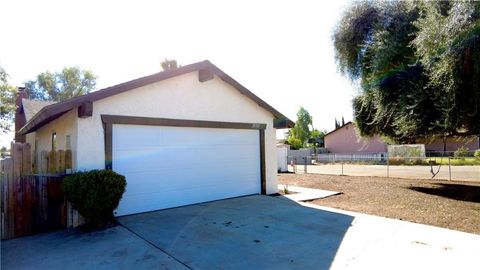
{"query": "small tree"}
(300, 134)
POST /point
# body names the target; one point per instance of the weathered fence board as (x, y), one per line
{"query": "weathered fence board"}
(34, 203)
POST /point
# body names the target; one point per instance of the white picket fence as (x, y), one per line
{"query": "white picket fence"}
(356, 157)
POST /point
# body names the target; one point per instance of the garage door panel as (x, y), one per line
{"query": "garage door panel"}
(175, 166)
(168, 181)
(237, 165)
(207, 136)
(164, 159)
(138, 203)
(142, 134)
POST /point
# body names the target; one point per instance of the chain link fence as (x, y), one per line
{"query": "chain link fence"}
(443, 166)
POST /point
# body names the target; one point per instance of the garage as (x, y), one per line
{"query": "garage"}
(171, 166)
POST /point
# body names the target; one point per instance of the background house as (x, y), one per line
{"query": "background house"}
(345, 139)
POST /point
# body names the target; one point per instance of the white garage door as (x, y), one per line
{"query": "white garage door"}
(173, 166)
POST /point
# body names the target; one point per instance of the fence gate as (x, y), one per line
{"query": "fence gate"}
(30, 203)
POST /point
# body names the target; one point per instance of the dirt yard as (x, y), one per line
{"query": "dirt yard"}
(448, 204)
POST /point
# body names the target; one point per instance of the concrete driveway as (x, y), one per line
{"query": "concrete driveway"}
(254, 232)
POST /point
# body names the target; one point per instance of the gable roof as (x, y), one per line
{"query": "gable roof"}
(53, 111)
(32, 107)
(346, 124)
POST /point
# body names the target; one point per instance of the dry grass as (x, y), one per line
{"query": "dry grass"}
(448, 204)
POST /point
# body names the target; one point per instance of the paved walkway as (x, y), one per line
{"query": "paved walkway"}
(461, 173)
(301, 194)
(374, 242)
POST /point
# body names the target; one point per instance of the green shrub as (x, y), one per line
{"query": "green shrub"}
(407, 161)
(477, 154)
(461, 152)
(95, 194)
(294, 143)
(396, 161)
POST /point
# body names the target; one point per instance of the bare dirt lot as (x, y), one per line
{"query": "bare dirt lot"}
(448, 204)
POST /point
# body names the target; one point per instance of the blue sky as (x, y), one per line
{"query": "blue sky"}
(280, 50)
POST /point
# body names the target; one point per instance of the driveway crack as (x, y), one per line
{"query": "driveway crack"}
(157, 247)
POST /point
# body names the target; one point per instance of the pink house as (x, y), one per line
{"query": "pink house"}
(452, 143)
(346, 140)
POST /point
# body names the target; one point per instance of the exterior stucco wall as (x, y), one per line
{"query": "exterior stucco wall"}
(453, 144)
(63, 126)
(182, 97)
(346, 140)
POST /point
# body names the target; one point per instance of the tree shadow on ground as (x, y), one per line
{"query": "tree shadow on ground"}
(467, 193)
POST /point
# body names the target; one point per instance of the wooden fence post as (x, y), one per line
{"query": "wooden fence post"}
(60, 161)
(43, 162)
(52, 162)
(68, 159)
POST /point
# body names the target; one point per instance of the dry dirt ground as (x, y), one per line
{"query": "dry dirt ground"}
(449, 204)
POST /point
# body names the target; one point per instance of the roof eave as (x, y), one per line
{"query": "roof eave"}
(333, 131)
(280, 123)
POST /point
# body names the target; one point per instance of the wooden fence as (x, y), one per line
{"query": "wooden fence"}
(34, 203)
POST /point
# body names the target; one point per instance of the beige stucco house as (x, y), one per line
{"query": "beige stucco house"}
(181, 136)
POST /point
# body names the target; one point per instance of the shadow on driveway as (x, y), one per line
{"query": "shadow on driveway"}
(253, 232)
(113, 248)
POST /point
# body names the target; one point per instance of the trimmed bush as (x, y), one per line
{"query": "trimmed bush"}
(461, 152)
(95, 194)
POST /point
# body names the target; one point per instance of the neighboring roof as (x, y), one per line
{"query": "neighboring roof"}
(346, 124)
(51, 112)
(32, 107)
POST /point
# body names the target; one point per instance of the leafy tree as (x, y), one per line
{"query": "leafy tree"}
(8, 95)
(417, 65)
(300, 134)
(448, 44)
(318, 133)
(3, 152)
(316, 137)
(337, 124)
(69, 82)
(169, 64)
(343, 122)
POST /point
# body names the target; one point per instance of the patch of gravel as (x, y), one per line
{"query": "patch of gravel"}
(449, 204)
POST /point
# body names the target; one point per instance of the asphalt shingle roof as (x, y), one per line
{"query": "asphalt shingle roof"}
(32, 107)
